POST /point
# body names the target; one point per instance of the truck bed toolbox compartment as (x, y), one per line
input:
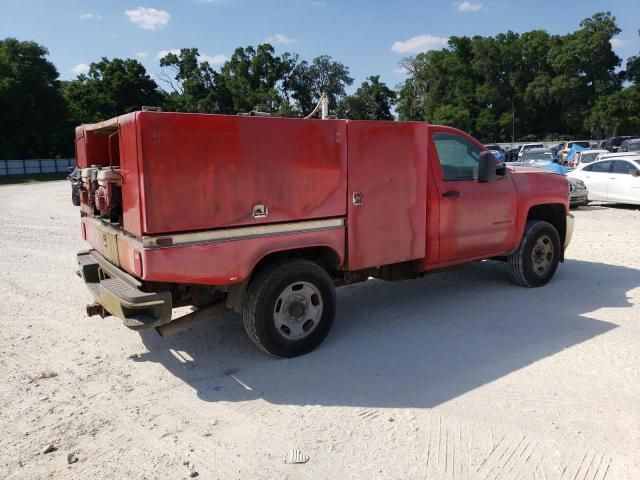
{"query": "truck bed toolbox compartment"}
(199, 172)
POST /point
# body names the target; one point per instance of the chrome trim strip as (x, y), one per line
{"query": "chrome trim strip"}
(243, 233)
(226, 234)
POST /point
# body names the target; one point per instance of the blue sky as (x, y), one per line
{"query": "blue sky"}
(371, 37)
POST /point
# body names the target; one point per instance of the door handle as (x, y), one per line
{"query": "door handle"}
(451, 194)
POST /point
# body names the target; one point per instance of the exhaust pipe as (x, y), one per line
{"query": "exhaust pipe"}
(190, 319)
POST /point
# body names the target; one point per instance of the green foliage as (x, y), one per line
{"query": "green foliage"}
(191, 84)
(255, 78)
(110, 88)
(534, 85)
(547, 83)
(32, 111)
(308, 81)
(372, 101)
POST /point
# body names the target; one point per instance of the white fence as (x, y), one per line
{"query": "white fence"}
(29, 167)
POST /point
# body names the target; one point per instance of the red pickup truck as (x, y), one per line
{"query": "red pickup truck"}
(266, 216)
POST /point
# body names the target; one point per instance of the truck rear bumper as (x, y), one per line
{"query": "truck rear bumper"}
(119, 293)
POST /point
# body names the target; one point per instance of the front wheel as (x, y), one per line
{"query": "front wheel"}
(535, 261)
(289, 307)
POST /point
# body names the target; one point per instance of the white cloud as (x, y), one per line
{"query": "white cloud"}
(420, 43)
(617, 42)
(318, 4)
(164, 53)
(80, 69)
(401, 71)
(148, 18)
(468, 6)
(280, 39)
(90, 16)
(142, 55)
(213, 60)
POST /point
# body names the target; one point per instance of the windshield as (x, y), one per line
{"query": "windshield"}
(536, 156)
(588, 157)
(633, 147)
(582, 144)
(527, 147)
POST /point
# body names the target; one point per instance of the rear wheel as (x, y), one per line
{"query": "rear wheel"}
(535, 261)
(75, 197)
(289, 307)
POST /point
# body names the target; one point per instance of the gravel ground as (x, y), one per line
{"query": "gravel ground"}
(458, 375)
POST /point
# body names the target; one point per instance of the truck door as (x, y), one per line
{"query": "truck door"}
(476, 219)
(387, 165)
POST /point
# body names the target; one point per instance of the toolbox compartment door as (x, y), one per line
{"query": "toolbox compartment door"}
(387, 192)
(200, 172)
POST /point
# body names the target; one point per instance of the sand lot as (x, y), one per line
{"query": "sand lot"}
(460, 375)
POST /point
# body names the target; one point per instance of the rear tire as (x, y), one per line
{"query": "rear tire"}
(75, 198)
(289, 307)
(535, 261)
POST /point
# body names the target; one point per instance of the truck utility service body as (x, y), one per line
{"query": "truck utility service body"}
(194, 209)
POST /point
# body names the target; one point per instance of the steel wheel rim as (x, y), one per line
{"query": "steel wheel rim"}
(542, 255)
(298, 310)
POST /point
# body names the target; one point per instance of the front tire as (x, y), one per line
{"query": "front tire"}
(536, 260)
(289, 307)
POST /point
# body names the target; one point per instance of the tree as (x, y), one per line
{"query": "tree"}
(192, 85)
(256, 78)
(308, 81)
(109, 89)
(372, 101)
(32, 111)
(543, 84)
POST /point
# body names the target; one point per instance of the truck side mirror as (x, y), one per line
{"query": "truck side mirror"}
(487, 166)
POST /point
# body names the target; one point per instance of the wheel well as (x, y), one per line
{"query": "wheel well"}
(553, 213)
(326, 257)
(323, 256)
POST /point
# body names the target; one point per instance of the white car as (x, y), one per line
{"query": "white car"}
(586, 156)
(527, 146)
(611, 180)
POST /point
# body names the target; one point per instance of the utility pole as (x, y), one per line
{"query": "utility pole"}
(513, 122)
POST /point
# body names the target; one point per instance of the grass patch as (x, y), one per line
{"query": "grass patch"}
(32, 178)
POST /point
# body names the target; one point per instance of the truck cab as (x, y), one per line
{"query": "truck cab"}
(266, 216)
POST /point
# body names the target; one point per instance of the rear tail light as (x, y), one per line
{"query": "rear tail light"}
(137, 263)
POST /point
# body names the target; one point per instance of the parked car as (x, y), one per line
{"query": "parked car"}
(616, 156)
(497, 151)
(498, 154)
(76, 182)
(586, 156)
(537, 154)
(578, 192)
(512, 154)
(526, 147)
(566, 147)
(543, 158)
(612, 180)
(630, 145)
(613, 144)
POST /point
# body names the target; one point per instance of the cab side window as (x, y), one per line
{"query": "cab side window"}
(620, 166)
(458, 157)
(600, 167)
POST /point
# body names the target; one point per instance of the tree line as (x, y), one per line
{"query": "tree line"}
(530, 85)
